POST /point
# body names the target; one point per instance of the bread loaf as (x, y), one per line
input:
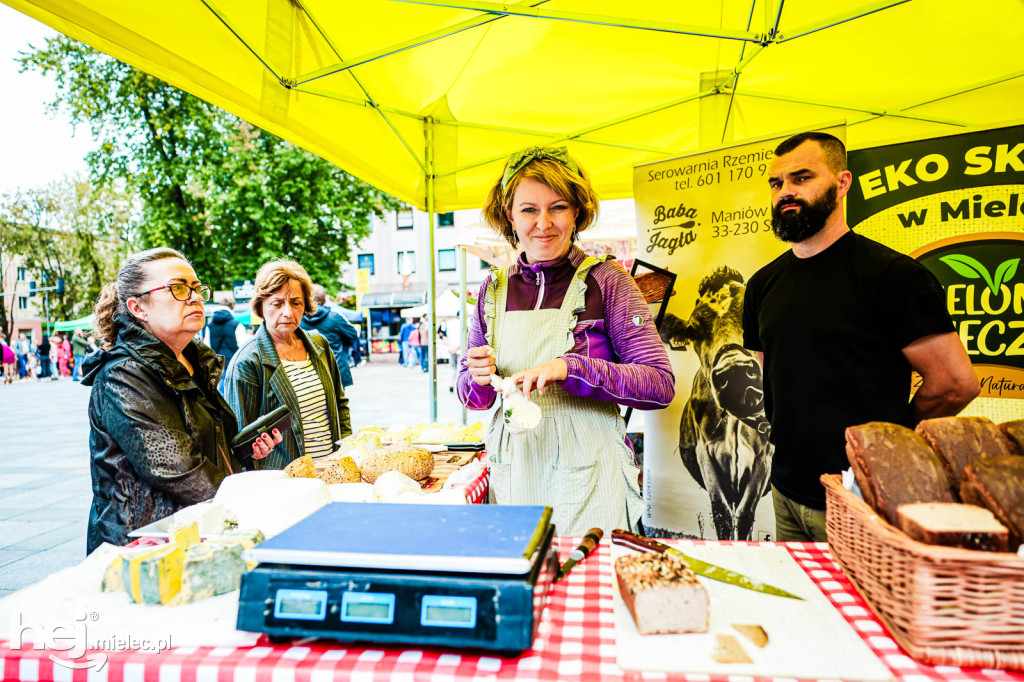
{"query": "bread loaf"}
(893, 466)
(953, 525)
(342, 470)
(300, 468)
(1014, 432)
(414, 462)
(962, 440)
(662, 593)
(997, 483)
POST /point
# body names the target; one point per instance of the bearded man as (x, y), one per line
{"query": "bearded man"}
(838, 323)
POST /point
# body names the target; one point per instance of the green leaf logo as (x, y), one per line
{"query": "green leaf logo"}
(970, 268)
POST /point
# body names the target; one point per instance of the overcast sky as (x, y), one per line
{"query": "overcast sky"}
(36, 147)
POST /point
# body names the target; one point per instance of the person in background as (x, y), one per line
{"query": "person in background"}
(55, 341)
(426, 340)
(453, 346)
(577, 460)
(31, 366)
(22, 347)
(10, 360)
(224, 334)
(160, 432)
(43, 352)
(357, 348)
(79, 349)
(338, 331)
(64, 356)
(414, 346)
(285, 365)
(93, 346)
(838, 323)
(405, 351)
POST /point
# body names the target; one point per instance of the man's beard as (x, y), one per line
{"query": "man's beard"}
(796, 226)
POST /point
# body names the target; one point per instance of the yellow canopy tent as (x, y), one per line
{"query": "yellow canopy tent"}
(426, 99)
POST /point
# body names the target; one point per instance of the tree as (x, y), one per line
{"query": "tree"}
(228, 195)
(72, 230)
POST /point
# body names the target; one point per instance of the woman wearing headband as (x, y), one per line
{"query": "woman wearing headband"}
(576, 335)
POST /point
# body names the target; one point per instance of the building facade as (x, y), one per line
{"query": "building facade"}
(25, 313)
(396, 255)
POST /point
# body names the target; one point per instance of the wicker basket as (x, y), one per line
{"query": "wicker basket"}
(943, 605)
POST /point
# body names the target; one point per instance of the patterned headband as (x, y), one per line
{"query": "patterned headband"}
(518, 161)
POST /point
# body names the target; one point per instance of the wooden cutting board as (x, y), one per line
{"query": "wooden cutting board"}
(808, 639)
(445, 464)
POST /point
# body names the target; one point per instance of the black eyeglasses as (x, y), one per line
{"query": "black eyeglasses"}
(181, 292)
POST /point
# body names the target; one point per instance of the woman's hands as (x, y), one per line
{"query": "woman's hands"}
(480, 361)
(540, 376)
(264, 444)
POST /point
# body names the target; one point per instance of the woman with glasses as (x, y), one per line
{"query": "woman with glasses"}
(160, 432)
(285, 365)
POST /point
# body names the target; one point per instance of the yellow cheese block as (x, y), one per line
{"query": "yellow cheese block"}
(153, 577)
(112, 578)
(185, 536)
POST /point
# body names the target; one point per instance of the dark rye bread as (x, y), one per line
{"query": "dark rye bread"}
(1014, 432)
(953, 524)
(962, 440)
(997, 483)
(893, 466)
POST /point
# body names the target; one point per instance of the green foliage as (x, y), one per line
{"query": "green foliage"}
(69, 229)
(226, 194)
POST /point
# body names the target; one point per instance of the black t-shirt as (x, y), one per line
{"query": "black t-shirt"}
(832, 328)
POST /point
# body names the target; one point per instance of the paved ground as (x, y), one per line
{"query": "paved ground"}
(45, 488)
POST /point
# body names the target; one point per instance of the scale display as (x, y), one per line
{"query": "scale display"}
(301, 604)
(453, 612)
(367, 607)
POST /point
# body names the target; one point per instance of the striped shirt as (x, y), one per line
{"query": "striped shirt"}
(316, 430)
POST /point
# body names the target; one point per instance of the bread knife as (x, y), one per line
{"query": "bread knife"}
(590, 541)
(703, 568)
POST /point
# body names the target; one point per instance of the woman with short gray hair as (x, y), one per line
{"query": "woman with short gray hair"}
(285, 365)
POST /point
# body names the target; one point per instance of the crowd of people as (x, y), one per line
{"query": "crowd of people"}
(56, 356)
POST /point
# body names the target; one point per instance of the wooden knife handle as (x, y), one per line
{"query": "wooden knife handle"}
(634, 541)
(590, 541)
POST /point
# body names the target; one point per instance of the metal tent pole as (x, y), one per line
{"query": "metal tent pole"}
(463, 312)
(431, 305)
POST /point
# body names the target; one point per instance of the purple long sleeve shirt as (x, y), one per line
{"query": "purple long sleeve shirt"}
(613, 358)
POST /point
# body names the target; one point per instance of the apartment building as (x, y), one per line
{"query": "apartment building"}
(396, 254)
(27, 313)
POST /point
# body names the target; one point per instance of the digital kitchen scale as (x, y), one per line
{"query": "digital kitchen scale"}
(468, 576)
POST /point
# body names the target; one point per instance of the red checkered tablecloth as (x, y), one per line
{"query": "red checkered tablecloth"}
(576, 642)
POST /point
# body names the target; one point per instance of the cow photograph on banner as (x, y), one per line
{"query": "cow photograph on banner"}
(956, 205)
(707, 219)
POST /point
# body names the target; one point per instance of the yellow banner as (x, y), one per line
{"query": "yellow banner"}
(362, 286)
(707, 219)
(956, 204)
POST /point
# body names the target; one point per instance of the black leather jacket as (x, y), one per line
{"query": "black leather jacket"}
(159, 437)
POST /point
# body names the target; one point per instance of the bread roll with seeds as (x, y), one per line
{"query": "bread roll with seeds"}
(414, 462)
